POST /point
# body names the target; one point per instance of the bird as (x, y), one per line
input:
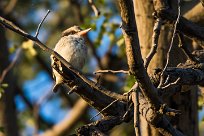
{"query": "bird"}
(73, 49)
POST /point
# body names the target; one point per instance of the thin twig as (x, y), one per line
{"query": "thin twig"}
(135, 100)
(112, 71)
(173, 36)
(95, 9)
(172, 112)
(128, 110)
(14, 28)
(167, 80)
(155, 38)
(11, 65)
(182, 45)
(164, 109)
(171, 84)
(39, 26)
(171, 44)
(104, 109)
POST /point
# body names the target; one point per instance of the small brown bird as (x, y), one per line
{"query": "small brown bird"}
(73, 49)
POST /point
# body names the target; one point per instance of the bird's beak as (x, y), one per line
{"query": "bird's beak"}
(84, 32)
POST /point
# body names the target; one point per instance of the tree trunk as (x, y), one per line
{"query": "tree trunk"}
(8, 117)
(144, 21)
(186, 102)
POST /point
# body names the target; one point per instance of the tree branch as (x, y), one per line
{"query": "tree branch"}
(95, 9)
(95, 95)
(137, 69)
(11, 65)
(155, 38)
(112, 71)
(71, 118)
(184, 26)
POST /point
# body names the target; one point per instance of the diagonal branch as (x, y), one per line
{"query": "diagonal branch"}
(95, 95)
(155, 38)
(185, 26)
(11, 65)
(137, 69)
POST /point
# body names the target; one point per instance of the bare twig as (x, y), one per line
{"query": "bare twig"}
(182, 45)
(167, 80)
(112, 71)
(172, 40)
(104, 109)
(172, 112)
(155, 38)
(103, 125)
(171, 84)
(95, 9)
(136, 67)
(135, 100)
(128, 110)
(164, 109)
(39, 26)
(99, 103)
(45, 97)
(11, 65)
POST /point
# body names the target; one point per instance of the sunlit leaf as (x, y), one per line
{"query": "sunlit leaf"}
(4, 85)
(28, 46)
(120, 42)
(1, 90)
(13, 48)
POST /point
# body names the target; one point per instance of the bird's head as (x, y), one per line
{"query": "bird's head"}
(75, 30)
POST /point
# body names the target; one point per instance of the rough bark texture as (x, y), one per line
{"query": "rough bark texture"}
(186, 102)
(152, 107)
(145, 23)
(196, 14)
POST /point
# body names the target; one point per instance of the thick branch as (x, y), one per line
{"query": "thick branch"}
(188, 76)
(67, 123)
(137, 69)
(196, 14)
(95, 95)
(99, 127)
(133, 53)
(185, 26)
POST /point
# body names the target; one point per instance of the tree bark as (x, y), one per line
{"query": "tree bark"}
(145, 23)
(7, 107)
(187, 122)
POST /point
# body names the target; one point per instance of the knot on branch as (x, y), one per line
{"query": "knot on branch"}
(100, 127)
(128, 30)
(164, 109)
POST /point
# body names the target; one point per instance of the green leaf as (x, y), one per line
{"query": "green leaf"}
(29, 47)
(120, 42)
(1, 90)
(2, 129)
(4, 85)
